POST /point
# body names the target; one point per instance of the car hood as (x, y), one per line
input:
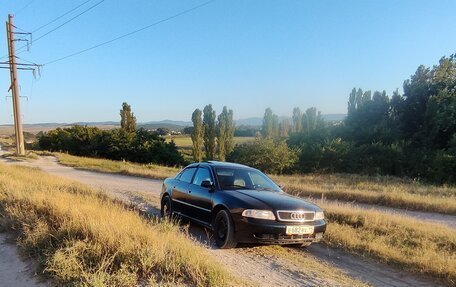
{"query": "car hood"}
(276, 200)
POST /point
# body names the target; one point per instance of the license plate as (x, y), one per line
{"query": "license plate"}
(299, 230)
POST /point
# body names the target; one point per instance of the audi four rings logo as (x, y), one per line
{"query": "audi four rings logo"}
(297, 215)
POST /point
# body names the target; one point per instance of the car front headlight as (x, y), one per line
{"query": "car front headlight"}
(259, 214)
(319, 215)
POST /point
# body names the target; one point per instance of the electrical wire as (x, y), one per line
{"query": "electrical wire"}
(68, 21)
(63, 24)
(23, 8)
(21, 49)
(132, 33)
(59, 17)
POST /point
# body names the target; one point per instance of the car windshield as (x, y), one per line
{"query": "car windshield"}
(243, 178)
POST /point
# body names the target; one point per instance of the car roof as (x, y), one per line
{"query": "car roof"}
(219, 164)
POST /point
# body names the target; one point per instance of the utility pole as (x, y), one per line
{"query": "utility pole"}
(20, 146)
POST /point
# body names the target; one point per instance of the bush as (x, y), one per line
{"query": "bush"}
(140, 146)
(265, 154)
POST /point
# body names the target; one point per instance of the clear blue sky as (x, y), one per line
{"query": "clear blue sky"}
(245, 54)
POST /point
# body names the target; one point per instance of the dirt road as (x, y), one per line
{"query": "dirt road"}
(251, 263)
(15, 271)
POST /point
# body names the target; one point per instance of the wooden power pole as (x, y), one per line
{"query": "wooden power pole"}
(20, 146)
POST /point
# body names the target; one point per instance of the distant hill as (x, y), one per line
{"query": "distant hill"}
(165, 124)
(44, 127)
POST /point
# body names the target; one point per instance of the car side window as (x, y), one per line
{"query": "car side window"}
(201, 175)
(187, 175)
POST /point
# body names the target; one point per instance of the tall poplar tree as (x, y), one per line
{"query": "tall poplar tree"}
(210, 132)
(197, 135)
(297, 120)
(221, 134)
(225, 133)
(230, 127)
(284, 128)
(127, 118)
(268, 124)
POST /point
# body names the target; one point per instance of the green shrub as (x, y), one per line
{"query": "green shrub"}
(265, 154)
(140, 146)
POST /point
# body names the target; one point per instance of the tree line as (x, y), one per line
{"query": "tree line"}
(306, 122)
(411, 134)
(214, 135)
(125, 143)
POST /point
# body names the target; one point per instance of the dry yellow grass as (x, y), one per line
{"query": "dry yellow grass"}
(83, 238)
(416, 245)
(28, 156)
(381, 190)
(113, 166)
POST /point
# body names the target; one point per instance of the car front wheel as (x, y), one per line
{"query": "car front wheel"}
(224, 230)
(166, 210)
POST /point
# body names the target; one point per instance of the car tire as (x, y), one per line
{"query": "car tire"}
(166, 209)
(224, 230)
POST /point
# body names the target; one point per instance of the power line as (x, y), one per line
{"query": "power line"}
(20, 49)
(24, 7)
(59, 17)
(64, 23)
(131, 33)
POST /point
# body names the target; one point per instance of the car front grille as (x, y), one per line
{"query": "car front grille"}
(295, 215)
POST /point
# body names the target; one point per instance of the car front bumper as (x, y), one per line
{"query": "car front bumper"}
(250, 230)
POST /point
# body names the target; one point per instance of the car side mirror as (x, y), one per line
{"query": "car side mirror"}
(207, 184)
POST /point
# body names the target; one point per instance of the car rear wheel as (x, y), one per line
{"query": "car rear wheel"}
(224, 230)
(166, 208)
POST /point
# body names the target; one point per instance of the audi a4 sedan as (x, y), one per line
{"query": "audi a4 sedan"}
(241, 205)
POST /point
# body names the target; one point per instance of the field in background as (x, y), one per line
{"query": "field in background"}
(58, 223)
(184, 144)
(185, 141)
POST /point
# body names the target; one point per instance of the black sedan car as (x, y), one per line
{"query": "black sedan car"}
(240, 204)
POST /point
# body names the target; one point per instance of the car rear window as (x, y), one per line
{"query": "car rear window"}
(187, 175)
